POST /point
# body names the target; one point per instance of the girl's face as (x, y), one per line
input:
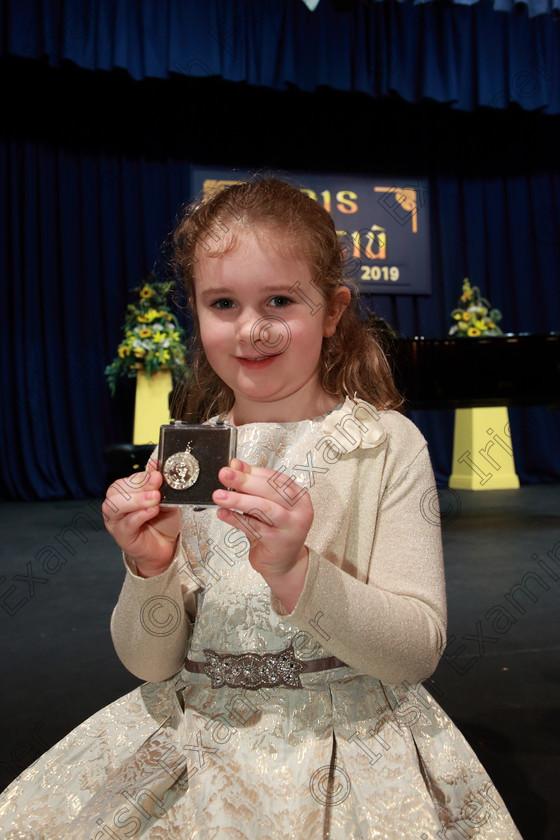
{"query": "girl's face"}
(262, 323)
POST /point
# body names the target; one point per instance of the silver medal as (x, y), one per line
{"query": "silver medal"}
(181, 470)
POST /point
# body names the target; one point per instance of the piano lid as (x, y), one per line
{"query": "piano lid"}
(512, 370)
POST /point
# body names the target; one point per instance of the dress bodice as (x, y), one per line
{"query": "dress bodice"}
(234, 610)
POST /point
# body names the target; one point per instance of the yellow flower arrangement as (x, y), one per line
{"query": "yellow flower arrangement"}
(474, 315)
(153, 339)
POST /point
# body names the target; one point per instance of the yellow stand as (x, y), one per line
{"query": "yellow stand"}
(482, 450)
(151, 408)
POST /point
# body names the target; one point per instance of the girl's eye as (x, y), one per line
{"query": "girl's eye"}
(280, 300)
(223, 303)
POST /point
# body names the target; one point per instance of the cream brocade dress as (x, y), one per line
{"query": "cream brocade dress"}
(346, 756)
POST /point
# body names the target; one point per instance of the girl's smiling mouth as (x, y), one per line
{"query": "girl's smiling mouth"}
(256, 361)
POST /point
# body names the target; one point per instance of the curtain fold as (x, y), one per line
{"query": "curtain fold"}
(465, 55)
(73, 244)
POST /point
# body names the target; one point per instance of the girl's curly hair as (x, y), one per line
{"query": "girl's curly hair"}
(353, 361)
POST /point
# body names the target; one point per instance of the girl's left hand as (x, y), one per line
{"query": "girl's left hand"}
(275, 526)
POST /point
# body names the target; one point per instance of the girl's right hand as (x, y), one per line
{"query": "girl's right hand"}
(147, 532)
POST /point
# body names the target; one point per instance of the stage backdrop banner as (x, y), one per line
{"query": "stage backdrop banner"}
(384, 224)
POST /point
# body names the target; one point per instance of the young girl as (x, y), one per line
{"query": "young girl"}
(285, 635)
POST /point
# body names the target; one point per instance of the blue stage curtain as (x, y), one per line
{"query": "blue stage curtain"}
(464, 55)
(96, 166)
(77, 231)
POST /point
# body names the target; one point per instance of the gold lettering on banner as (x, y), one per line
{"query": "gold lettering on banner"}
(408, 200)
(371, 244)
(310, 193)
(346, 200)
(211, 186)
(377, 238)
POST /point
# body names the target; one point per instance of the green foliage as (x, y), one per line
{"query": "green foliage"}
(153, 339)
(474, 316)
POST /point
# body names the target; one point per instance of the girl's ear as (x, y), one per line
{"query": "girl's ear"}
(338, 304)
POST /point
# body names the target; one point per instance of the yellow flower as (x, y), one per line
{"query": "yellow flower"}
(139, 352)
(145, 333)
(159, 336)
(124, 351)
(471, 315)
(142, 319)
(163, 355)
(146, 292)
(152, 314)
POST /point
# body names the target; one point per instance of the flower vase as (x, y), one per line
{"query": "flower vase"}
(151, 408)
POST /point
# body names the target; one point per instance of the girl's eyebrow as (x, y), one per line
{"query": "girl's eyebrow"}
(207, 293)
(223, 290)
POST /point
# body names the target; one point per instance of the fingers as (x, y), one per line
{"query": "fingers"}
(253, 528)
(138, 523)
(137, 492)
(136, 519)
(247, 495)
(148, 478)
(259, 481)
(254, 505)
(153, 465)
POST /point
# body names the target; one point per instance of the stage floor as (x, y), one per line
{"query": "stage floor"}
(499, 679)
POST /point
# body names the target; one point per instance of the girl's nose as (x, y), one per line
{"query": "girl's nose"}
(269, 335)
(245, 326)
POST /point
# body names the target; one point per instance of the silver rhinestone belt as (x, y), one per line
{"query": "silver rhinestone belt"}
(258, 670)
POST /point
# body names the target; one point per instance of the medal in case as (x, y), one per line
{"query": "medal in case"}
(190, 456)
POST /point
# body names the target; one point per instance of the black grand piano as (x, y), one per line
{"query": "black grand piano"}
(511, 370)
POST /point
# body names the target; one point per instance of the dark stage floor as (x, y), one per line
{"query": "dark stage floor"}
(499, 680)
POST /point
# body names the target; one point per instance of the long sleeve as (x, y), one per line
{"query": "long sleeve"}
(151, 623)
(383, 614)
(374, 594)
